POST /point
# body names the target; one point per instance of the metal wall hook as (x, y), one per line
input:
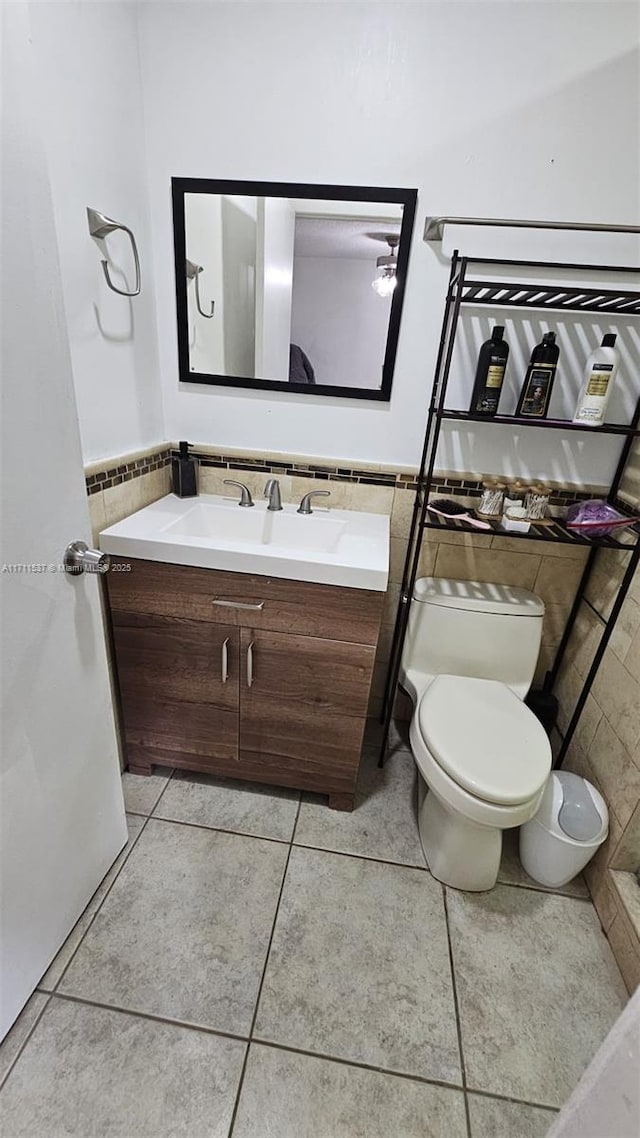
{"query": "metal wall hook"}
(100, 226)
(193, 273)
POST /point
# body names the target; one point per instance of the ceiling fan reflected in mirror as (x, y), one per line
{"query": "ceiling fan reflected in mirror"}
(385, 279)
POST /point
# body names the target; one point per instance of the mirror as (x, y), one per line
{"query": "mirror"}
(290, 286)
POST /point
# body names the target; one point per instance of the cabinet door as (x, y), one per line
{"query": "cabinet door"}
(303, 702)
(179, 690)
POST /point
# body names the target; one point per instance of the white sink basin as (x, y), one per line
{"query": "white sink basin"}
(332, 547)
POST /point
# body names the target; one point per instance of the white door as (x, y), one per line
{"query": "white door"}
(62, 814)
(274, 287)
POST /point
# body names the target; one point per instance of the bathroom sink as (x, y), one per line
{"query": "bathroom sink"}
(333, 547)
(227, 522)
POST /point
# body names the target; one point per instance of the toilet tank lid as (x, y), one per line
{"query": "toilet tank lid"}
(478, 596)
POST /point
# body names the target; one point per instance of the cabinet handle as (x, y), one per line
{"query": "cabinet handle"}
(237, 604)
(250, 665)
(225, 660)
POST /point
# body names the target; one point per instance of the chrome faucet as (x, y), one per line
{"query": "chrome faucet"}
(245, 493)
(305, 505)
(272, 492)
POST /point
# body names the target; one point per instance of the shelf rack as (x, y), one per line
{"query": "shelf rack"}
(467, 288)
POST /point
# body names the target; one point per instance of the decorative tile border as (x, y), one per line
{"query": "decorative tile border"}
(125, 471)
(461, 485)
(325, 472)
(451, 485)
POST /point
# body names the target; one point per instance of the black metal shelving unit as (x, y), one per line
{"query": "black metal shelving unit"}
(466, 287)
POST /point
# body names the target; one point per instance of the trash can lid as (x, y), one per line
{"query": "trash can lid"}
(583, 812)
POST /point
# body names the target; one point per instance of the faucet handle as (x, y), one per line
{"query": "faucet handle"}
(245, 493)
(305, 505)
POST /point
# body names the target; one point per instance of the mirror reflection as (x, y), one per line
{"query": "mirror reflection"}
(291, 289)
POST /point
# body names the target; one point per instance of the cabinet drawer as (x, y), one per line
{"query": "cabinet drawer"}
(272, 603)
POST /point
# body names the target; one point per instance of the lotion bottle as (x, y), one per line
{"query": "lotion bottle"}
(492, 363)
(599, 375)
(538, 382)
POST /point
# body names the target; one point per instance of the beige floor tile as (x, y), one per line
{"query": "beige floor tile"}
(225, 804)
(89, 1072)
(286, 1095)
(14, 1040)
(383, 824)
(359, 967)
(495, 1118)
(538, 990)
(60, 962)
(141, 792)
(184, 932)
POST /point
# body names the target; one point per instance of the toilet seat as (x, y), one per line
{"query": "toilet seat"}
(484, 738)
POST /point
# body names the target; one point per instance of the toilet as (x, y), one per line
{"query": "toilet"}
(483, 758)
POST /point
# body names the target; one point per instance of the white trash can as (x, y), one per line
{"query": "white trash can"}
(572, 821)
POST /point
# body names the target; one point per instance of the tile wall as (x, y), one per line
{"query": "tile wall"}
(118, 487)
(606, 746)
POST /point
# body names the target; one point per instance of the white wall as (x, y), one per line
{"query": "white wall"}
(339, 320)
(90, 102)
(386, 94)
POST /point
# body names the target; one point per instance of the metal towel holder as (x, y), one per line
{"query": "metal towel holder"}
(100, 226)
(193, 273)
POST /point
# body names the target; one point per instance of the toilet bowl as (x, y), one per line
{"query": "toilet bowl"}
(482, 756)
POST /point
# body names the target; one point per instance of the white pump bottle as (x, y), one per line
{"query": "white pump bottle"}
(599, 375)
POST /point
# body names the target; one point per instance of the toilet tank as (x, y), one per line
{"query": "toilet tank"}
(471, 628)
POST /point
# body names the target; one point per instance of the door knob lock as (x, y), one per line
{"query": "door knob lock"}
(78, 558)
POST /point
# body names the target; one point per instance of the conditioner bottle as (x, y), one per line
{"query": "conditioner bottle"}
(492, 363)
(599, 375)
(538, 382)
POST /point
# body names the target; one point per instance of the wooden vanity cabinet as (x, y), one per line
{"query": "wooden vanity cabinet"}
(243, 676)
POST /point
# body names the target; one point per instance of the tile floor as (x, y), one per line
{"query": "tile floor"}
(256, 965)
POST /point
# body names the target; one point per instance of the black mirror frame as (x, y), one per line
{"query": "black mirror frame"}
(404, 197)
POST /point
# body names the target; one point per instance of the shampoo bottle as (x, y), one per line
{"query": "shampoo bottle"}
(487, 385)
(538, 382)
(599, 375)
(183, 473)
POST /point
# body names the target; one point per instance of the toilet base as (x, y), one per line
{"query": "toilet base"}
(460, 853)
